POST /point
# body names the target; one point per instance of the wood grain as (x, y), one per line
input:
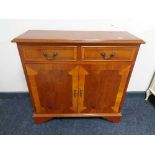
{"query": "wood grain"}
(35, 53)
(48, 36)
(51, 87)
(41, 118)
(75, 88)
(78, 82)
(122, 53)
(104, 86)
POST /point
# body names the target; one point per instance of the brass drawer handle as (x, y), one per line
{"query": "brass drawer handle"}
(54, 54)
(113, 54)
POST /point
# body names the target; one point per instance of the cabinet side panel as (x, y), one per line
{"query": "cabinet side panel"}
(129, 75)
(19, 46)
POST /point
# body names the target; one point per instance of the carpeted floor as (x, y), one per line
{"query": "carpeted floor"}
(15, 118)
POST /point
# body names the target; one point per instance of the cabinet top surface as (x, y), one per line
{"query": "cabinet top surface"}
(52, 36)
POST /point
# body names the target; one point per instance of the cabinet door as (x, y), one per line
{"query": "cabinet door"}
(102, 86)
(52, 89)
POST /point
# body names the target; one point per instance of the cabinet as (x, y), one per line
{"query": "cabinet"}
(77, 74)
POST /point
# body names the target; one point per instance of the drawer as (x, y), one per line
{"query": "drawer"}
(104, 53)
(49, 53)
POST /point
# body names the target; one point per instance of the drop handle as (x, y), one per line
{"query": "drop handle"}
(54, 54)
(103, 54)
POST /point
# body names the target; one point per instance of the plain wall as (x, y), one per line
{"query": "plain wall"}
(11, 73)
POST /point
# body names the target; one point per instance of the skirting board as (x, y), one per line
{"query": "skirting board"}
(4, 95)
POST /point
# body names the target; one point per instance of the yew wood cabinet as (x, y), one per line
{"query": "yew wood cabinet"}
(77, 73)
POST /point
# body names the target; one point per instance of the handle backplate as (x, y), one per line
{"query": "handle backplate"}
(75, 93)
(54, 54)
(81, 92)
(112, 54)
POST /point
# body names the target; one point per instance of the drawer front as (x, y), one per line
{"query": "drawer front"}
(49, 53)
(104, 53)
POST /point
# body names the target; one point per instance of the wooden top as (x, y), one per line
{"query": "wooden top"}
(51, 36)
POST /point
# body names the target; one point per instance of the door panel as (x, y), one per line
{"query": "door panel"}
(104, 86)
(85, 88)
(51, 87)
